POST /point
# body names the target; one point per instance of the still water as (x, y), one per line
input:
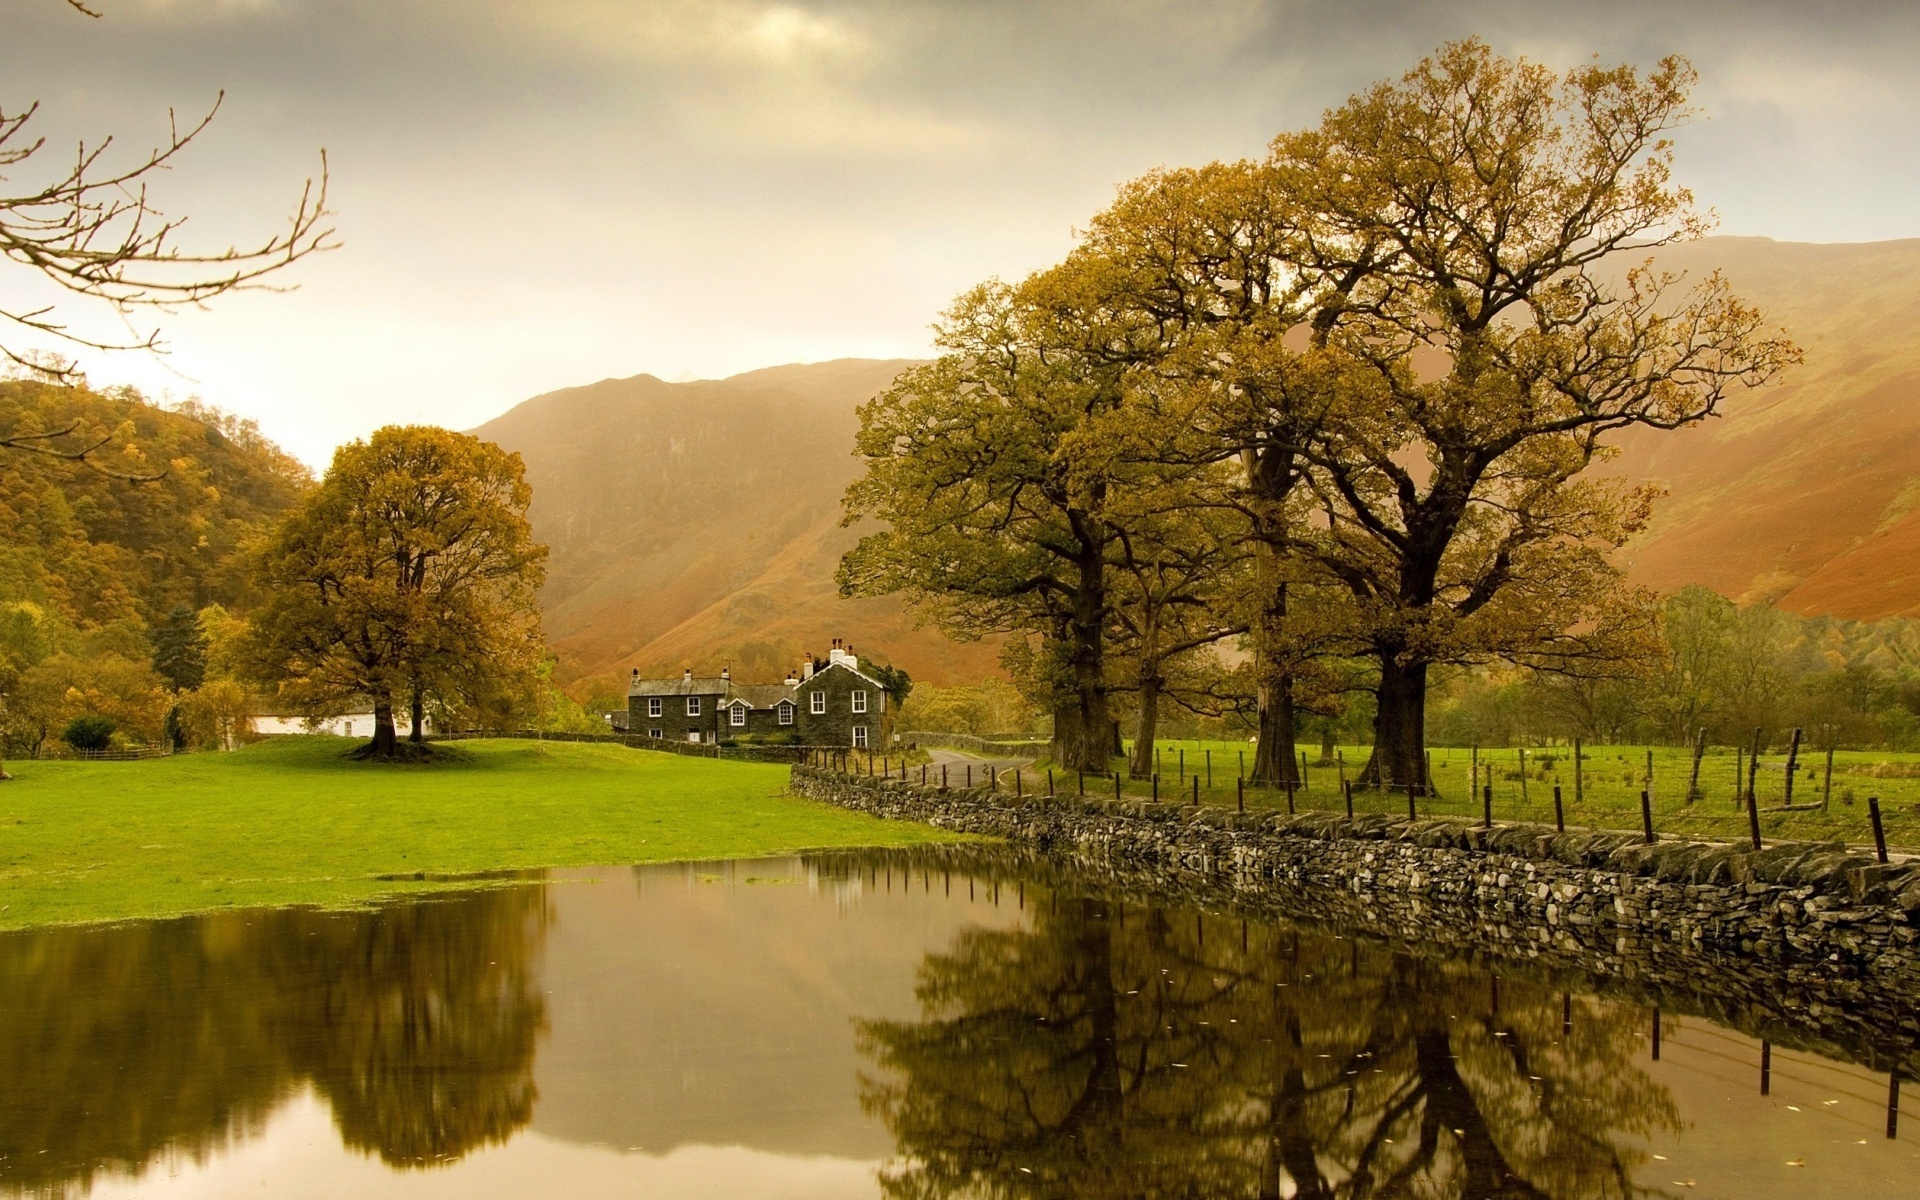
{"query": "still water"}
(875, 1025)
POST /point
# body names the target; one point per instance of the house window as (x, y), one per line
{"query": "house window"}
(817, 703)
(859, 735)
(859, 702)
(693, 706)
(739, 714)
(655, 706)
(654, 733)
(786, 713)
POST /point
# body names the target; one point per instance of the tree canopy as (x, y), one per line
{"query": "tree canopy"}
(407, 577)
(1399, 341)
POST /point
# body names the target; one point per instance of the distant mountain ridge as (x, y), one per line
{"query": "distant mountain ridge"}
(1805, 494)
(698, 523)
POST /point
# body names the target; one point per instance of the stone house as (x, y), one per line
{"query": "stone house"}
(830, 702)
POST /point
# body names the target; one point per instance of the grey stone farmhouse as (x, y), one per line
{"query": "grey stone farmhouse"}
(824, 703)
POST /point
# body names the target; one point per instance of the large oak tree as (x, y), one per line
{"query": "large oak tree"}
(1476, 238)
(408, 575)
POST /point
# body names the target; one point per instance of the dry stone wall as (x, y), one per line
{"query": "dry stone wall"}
(1792, 926)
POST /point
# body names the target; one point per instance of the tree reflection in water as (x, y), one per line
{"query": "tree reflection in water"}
(1115, 1051)
(418, 1022)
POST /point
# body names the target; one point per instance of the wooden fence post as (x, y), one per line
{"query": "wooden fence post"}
(1559, 813)
(1693, 778)
(1793, 762)
(1346, 786)
(1646, 813)
(1578, 795)
(1879, 831)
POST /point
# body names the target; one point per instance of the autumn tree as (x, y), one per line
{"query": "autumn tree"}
(1179, 582)
(409, 574)
(1472, 235)
(991, 527)
(1199, 269)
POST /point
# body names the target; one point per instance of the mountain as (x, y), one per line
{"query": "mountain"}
(1805, 493)
(699, 524)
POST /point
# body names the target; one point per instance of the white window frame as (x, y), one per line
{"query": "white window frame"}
(860, 701)
(693, 706)
(785, 709)
(860, 737)
(816, 703)
(656, 707)
(738, 717)
(656, 733)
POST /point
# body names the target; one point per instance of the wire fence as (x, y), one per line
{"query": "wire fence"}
(1469, 786)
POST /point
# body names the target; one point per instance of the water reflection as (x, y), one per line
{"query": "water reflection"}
(1115, 1051)
(418, 1023)
(923, 1026)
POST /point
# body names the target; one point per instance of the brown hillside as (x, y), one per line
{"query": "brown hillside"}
(698, 523)
(1808, 493)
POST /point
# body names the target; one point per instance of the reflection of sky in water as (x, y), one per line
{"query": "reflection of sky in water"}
(692, 1031)
(298, 1157)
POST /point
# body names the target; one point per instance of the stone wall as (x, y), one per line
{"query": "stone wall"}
(1792, 926)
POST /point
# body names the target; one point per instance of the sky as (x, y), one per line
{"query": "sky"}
(531, 196)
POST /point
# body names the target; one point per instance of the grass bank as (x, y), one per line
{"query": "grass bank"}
(293, 821)
(1611, 779)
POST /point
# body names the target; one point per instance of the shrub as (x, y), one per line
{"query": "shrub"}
(90, 732)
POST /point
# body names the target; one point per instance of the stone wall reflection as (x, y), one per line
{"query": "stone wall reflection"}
(417, 1022)
(1116, 1051)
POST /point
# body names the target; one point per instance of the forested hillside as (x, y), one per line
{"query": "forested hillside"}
(96, 549)
(114, 591)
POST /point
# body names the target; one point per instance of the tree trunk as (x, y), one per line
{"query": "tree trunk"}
(1142, 765)
(419, 707)
(385, 741)
(1080, 726)
(1273, 762)
(1399, 724)
(1270, 476)
(1327, 756)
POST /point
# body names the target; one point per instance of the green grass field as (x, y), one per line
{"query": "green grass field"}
(291, 820)
(1611, 780)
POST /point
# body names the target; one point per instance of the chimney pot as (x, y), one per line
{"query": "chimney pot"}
(726, 672)
(687, 674)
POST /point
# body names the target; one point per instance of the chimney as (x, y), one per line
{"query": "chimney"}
(687, 675)
(636, 672)
(792, 679)
(726, 673)
(806, 668)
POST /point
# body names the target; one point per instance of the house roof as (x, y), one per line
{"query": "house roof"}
(760, 695)
(822, 668)
(679, 686)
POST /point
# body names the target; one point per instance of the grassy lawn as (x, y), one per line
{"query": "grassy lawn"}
(291, 820)
(1611, 780)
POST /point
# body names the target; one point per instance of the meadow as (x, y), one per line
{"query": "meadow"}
(1612, 778)
(292, 820)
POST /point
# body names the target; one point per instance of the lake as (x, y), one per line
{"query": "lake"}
(917, 1024)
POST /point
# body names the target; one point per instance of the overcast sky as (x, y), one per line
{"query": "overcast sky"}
(536, 195)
